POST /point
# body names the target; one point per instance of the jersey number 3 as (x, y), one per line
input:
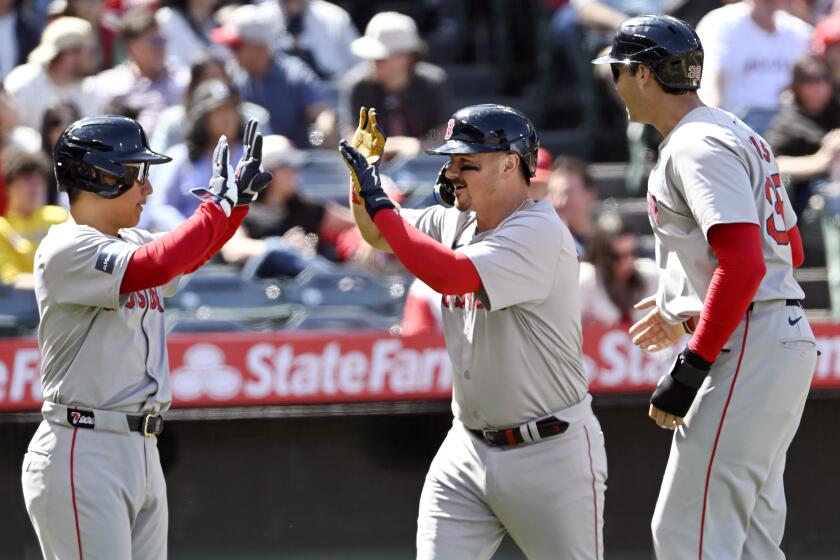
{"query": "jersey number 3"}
(771, 190)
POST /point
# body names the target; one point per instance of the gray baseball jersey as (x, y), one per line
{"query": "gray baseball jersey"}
(99, 349)
(722, 493)
(713, 169)
(92, 488)
(516, 354)
(516, 347)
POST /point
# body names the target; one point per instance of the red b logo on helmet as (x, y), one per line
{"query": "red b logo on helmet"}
(449, 126)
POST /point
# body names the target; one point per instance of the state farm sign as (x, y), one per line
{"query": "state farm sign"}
(236, 369)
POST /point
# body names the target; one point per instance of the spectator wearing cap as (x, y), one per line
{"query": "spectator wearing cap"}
(18, 36)
(186, 25)
(27, 218)
(284, 85)
(538, 188)
(409, 95)
(105, 26)
(283, 228)
(213, 111)
(142, 82)
(573, 194)
(169, 129)
(317, 32)
(55, 71)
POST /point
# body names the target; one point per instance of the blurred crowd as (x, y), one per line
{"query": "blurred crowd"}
(192, 70)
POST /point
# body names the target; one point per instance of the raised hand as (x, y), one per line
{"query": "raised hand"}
(222, 189)
(365, 179)
(369, 138)
(250, 177)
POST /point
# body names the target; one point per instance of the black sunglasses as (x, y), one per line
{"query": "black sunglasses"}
(137, 172)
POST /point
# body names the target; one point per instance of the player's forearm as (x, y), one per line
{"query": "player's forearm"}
(158, 262)
(367, 228)
(444, 270)
(802, 168)
(797, 251)
(237, 216)
(736, 279)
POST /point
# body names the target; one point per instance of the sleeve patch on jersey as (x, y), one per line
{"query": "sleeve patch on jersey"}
(106, 261)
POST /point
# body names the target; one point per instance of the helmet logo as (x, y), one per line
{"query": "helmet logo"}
(694, 72)
(449, 126)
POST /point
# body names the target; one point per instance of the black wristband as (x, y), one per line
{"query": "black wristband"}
(673, 397)
(376, 202)
(691, 369)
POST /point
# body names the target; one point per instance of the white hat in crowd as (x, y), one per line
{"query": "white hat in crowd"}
(387, 33)
(245, 24)
(278, 151)
(62, 34)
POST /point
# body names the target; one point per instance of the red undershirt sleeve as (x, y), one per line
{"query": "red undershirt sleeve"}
(174, 253)
(740, 271)
(444, 270)
(796, 248)
(237, 216)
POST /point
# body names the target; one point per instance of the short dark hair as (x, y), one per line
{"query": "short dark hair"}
(17, 163)
(135, 23)
(576, 166)
(634, 67)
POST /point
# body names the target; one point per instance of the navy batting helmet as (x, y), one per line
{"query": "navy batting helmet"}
(90, 154)
(490, 128)
(667, 45)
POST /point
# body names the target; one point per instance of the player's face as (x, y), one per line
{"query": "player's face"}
(475, 177)
(128, 207)
(628, 90)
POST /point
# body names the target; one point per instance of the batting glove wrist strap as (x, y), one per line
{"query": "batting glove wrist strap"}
(366, 181)
(676, 392)
(444, 191)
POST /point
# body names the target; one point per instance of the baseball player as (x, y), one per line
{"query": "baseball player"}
(726, 247)
(525, 454)
(92, 480)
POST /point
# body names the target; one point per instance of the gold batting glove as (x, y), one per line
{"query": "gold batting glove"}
(369, 138)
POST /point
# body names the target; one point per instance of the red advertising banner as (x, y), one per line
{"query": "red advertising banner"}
(240, 369)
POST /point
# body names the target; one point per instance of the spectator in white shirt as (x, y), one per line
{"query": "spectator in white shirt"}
(55, 71)
(750, 49)
(316, 31)
(186, 26)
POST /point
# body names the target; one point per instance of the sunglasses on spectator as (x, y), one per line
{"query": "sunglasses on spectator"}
(632, 254)
(814, 78)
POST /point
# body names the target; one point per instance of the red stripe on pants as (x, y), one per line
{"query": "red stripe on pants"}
(719, 430)
(73, 494)
(594, 492)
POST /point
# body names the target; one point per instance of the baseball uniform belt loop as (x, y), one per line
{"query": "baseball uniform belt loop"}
(757, 305)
